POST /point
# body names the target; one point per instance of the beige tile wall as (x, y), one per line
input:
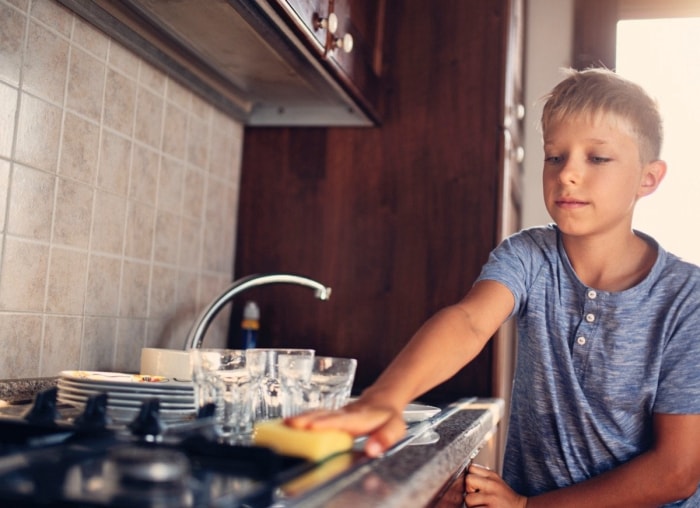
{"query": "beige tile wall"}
(118, 198)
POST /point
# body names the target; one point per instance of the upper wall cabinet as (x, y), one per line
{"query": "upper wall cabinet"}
(347, 36)
(266, 62)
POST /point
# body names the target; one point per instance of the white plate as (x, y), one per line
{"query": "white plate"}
(88, 391)
(134, 390)
(132, 382)
(118, 402)
(428, 437)
(126, 414)
(415, 412)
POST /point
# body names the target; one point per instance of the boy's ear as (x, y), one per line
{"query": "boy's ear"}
(654, 173)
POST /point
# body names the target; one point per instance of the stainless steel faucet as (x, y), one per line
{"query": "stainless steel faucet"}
(196, 335)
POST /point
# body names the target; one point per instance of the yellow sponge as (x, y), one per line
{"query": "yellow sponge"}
(314, 445)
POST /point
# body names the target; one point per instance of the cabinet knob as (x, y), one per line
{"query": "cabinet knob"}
(330, 23)
(345, 43)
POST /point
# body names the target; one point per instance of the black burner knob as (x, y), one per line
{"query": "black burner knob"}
(43, 410)
(148, 423)
(94, 416)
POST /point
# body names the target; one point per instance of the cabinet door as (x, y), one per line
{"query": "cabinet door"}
(307, 16)
(357, 68)
(363, 21)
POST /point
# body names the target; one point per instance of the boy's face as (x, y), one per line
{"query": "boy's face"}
(593, 174)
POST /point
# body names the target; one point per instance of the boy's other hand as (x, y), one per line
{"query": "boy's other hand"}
(486, 488)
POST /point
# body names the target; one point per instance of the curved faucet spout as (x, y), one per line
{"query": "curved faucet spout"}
(196, 335)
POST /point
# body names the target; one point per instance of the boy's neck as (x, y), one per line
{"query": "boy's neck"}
(610, 266)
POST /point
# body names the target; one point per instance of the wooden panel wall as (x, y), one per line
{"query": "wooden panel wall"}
(398, 219)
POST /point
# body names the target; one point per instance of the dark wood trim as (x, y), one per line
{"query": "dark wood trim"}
(595, 25)
(595, 33)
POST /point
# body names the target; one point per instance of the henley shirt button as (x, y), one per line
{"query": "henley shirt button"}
(592, 294)
(581, 341)
(590, 318)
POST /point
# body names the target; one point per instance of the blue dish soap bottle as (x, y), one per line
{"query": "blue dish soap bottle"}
(250, 325)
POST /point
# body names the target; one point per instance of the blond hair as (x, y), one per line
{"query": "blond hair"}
(594, 91)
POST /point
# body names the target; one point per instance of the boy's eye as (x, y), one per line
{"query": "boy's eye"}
(599, 160)
(553, 159)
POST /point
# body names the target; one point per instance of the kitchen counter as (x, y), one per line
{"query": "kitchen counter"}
(414, 475)
(417, 473)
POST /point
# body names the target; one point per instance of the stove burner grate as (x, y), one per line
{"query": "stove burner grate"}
(85, 462)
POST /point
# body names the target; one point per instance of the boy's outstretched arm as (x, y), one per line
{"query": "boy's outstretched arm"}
(668, 472)
(441, 347)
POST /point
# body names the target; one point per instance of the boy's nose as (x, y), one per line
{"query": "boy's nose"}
(569, 172)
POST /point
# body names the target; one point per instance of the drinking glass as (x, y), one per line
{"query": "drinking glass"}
(331, 382)
(221, 376)
(277, 376)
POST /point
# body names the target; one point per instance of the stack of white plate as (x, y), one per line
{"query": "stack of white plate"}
(126, 393)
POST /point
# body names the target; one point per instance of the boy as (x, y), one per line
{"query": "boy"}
(606, 398)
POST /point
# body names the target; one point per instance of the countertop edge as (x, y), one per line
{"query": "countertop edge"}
(416, 474)
(430, 479)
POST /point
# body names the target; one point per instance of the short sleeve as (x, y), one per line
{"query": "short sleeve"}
(517, 261)
(679, 379)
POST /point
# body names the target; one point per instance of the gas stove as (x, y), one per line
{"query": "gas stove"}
(83, 460)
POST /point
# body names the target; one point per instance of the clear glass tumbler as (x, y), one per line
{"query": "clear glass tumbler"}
(221, 376)
(331, 382)
(277, 375)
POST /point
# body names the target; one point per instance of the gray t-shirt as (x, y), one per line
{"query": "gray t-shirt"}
(593, 366)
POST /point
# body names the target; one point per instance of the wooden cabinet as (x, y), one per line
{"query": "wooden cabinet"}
(347, 37)
(262, 61)
(397, 219)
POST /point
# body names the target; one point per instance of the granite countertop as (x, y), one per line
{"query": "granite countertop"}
(413, 475)
(14, 391)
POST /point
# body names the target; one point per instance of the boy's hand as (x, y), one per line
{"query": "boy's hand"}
(486, 488)
(381, 423)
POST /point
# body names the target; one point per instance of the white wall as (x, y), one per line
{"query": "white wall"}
(548, 43)
(666, 66)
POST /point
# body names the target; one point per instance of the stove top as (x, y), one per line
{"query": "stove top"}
(48, 459)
